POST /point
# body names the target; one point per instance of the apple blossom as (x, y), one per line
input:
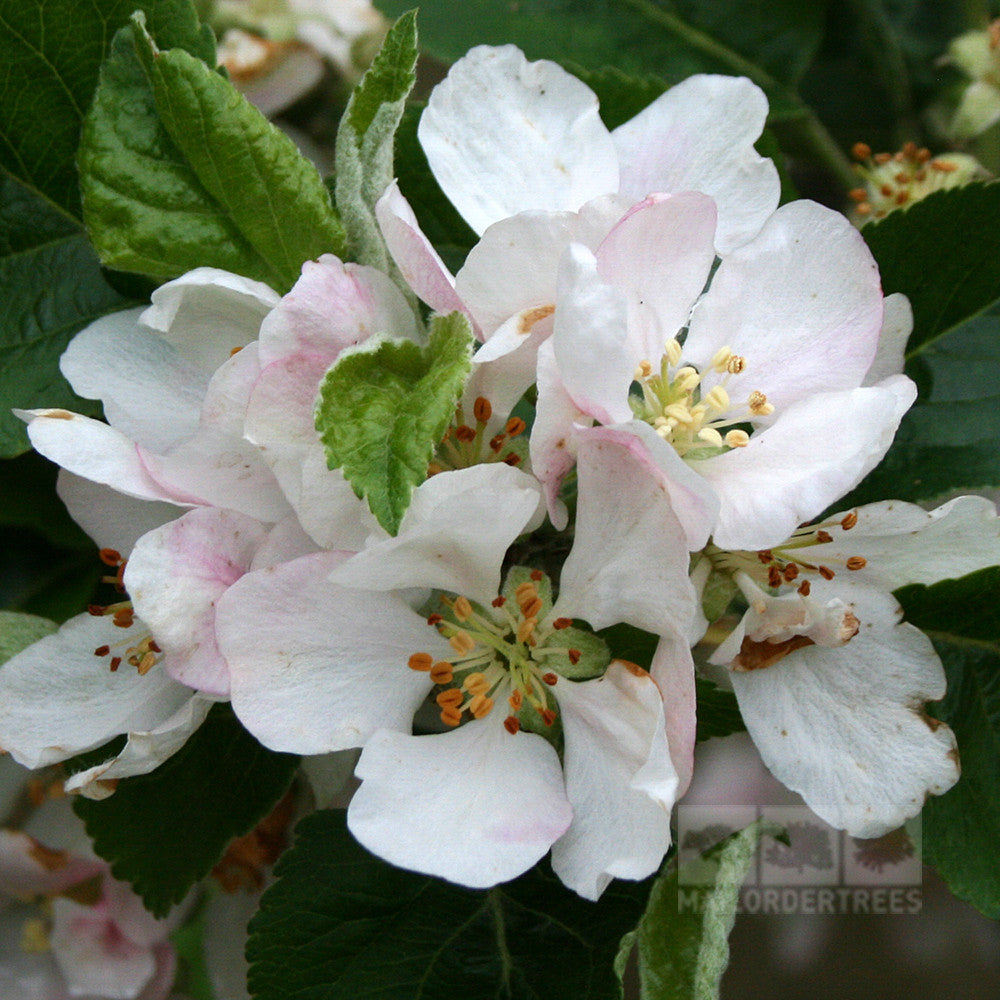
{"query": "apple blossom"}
(831, 684)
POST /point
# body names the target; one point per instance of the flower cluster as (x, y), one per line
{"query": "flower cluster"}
(674, 381)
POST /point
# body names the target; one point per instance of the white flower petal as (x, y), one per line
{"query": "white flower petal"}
(315, 667)
(619, 780)
(418, 262)
(175, 576)
(672, 669)
(699, 136)
(112, 519)
(819, 449)
(802, 304)
(453, 535)
(206, 313)
(57, 698)
(897, 325)
(476, 805)
(845, 726)
(503, 135)
(30, 868)
(902, 543)
(629, 561)
(143, 751)
(660, 256)
(150, 393)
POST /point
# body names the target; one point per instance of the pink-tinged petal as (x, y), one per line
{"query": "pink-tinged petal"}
(453, 536)
(418, 262)
(150, 393)
(332, 306)
(57, 698)
(176, 575)
(279, 421)
(902, 543)
(93, 450)
(215, 468)
(845, 727)
(475, 806)
(659, 256)
(284, 541)
(29, 868)
(672, 669)
(619, 780)
(553, 434)
(315, 667)
(503, 135)
(692, 498)
(592, 349)
(143, 751)
(699, 136)
(802, 304)
(206, 313)
(788, 473)
(112, 519)
(512, 269)
(897, 325)
(629, 561)
(94, 954)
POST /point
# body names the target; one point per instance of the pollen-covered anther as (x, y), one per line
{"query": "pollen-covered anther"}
(480, 706)
(672, 351)
(560, 623)
(765, 556)
(774, 577)
(481, 409)
(737, 438)
(465, 433)
(462, 609)
(102, 651)
(476, 684)
(512, 724)
(146, 663)
(574, 656)
(515, 426)
(856, 562)
(442, 672)
(804, 587)
(711, 436)
(110, 557)
(421, 662)
(526, 630)
(548, 716)
(525, 593)
(435, 619)
(550, 678)
(718, 399)
(531, 608)
(736, 364)
(462, 642)
(123, 618)
(497, 442)
(498, 602)
(643, 369)
(759, 406)
(823, 537)
(451, 716)
(451, 698)
(826, 573)
(849, 520)
(790, 572)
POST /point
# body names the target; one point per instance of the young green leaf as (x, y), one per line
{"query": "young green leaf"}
(165, 830)
(365, 140)
(51, 51)
(684, 949)
(385, 405)
(18, 631)
(51, 285)
(961, 829)
(340, 924)
(178, 171)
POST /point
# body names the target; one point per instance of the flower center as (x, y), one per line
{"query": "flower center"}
(510, 651)
(696, 422)
(465, 443)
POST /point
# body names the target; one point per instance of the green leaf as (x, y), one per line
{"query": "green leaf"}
(718, 711)
(961, 829)
(943, 253)
(385, 405)
(51, 51)
(51, 286)
(772, 43)
(165, 830)
(365, 140)
(684, 949)
(18, 631)
(339, 924)
(28, 500)
(178, 170)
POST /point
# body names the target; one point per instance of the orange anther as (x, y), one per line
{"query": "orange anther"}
(857, 194)
(462, 609)
(823, 537)
(516, 700)
(420, 661)
(551, 679)
(434, 619)
(537, 575)
(902, 198)
(499, 602)
(531, 608)
(451, 716)
(116, 662)
(857, 562)
(476, 683)
(861, 151)
(442, 672)
(548, 716)
(481, 409)
(773, 576)
(110, 557)
(886, 189)
(96, 610)
(146, 663)
(790, 572)
(515, 426)
(450, 698)
(480, 706)
(881, 158)
(512, 459)
(462, 643)
(765, 556)
(465, 433)
(496, 442)
(511, 724)
(102, 651)
(804, 588)
(826, 573)
(574, 656)
(561, 623)
(849, 520)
